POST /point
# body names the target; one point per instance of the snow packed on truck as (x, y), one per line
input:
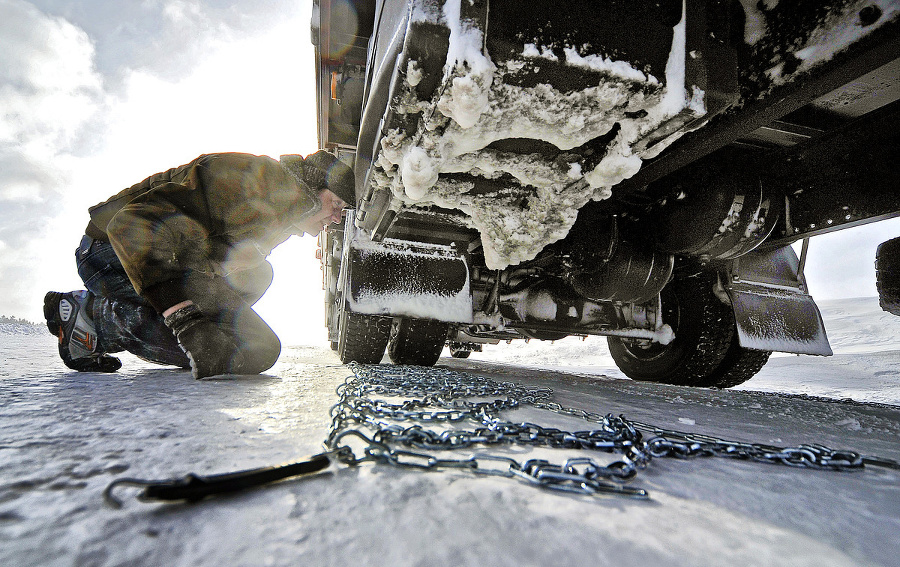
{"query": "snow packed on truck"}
(638, 170)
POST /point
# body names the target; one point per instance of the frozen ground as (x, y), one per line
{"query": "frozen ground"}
(66, 435)
(865, 365)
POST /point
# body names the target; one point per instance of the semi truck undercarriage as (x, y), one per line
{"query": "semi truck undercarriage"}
(637, 170)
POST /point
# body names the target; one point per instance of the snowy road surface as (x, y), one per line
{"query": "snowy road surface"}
(66, 435)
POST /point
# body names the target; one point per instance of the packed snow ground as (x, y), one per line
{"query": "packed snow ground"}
(67, 435)
(865, 365)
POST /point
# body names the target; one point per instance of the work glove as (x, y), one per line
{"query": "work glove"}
(209, 349)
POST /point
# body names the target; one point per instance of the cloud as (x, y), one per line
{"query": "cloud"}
(842, 264)
(166, 38)
(52, 104)
(49, 89)
(95, 96)
(50, 98)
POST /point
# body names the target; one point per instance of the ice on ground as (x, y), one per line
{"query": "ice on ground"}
(22, 329)
(66, 435)
(865, 365)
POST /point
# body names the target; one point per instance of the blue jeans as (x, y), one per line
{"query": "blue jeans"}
(125, 321)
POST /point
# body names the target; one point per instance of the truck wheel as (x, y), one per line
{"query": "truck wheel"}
(887, 275)
(330, 242)
(703, 326)
(740, 364)
(417, 341)
(363, 337)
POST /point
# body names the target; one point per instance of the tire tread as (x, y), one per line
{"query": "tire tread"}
(417, 342)
(363, 338)
(887, 275)
(707, 329)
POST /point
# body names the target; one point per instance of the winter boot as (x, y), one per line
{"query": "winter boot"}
(69, 316)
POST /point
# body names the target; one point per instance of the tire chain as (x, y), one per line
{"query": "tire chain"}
(393, 433)
(376, 430)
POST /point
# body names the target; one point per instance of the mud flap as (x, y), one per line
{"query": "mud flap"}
(775, 320)
(398, 278)
(771, 308)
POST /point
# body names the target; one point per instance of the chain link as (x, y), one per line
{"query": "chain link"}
(394, 433)
(364, 429)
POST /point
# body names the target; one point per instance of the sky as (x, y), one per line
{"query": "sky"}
(96, 95)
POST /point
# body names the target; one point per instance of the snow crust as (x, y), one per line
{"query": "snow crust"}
(475, 107)
(841, 30)
(425, 305)
(596, 62)
(411, 300)
(22, 329)
(837, 31)
(664, 335)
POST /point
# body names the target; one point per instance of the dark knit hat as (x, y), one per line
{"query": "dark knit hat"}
(322, 170)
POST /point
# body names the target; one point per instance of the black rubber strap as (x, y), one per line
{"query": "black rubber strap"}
(194, 487)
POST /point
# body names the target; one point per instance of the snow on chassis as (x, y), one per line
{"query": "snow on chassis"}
(639, 170)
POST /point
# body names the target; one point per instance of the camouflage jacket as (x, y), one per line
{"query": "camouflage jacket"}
(219, 214)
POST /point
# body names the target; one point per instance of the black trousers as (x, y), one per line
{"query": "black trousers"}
(125, 321)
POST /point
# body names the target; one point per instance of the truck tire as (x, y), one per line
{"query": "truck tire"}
(887, 275)
(363, 338)
(330, 242)
(417, 341)
(704, 328)
(740, 364)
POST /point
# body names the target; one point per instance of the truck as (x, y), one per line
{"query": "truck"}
(647, 171)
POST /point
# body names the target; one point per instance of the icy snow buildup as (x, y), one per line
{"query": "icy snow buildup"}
(413, 73)
(466, 100)
(616, 168)
(536, 198)
(619, 69)
(419, 173)
(468, 95)
(838, 29)
(841, 30)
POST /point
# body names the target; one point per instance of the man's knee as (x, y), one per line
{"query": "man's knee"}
(259, 356)
(257, 344)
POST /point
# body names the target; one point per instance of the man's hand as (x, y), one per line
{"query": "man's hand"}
(209, 349)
